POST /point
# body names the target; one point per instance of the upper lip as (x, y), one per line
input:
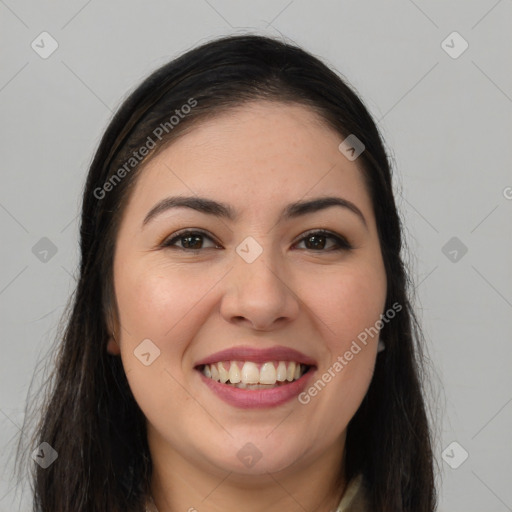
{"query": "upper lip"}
(258, 355)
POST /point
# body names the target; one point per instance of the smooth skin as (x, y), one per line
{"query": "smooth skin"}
(257, 158)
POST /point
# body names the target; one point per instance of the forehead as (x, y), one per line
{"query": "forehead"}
(255, 155)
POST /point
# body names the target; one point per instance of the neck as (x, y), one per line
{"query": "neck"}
(180, 484)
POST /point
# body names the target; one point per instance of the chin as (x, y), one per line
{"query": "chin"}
(259, 455)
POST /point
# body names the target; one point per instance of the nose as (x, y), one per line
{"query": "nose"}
(259, 294)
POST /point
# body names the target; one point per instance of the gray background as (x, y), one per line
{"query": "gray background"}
(446, 121)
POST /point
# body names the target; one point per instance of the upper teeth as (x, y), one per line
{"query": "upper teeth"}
(249, 372)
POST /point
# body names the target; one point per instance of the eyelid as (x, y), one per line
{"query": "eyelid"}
(321, 231)
(341, 241)
(167, 242)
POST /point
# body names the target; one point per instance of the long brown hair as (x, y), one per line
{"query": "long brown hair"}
(90, 416)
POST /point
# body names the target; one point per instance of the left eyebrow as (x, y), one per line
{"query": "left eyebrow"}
(222, 210)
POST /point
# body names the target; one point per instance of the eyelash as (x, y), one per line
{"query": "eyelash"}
(341, 242)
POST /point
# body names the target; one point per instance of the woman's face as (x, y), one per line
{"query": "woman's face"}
(259, 284)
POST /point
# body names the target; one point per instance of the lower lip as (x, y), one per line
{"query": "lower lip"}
(258, 398)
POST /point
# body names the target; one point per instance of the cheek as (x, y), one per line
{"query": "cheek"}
(167, 306)
(148, 310)
(156, 303)
(346, 303)
(160, 307)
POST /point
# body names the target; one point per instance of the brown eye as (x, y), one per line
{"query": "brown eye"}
(317, 241)
(190, 240)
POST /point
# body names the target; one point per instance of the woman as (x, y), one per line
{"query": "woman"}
(240, 333)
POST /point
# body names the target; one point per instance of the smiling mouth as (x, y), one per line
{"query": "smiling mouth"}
(251, 375)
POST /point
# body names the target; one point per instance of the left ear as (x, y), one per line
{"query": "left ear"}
(112, 346)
